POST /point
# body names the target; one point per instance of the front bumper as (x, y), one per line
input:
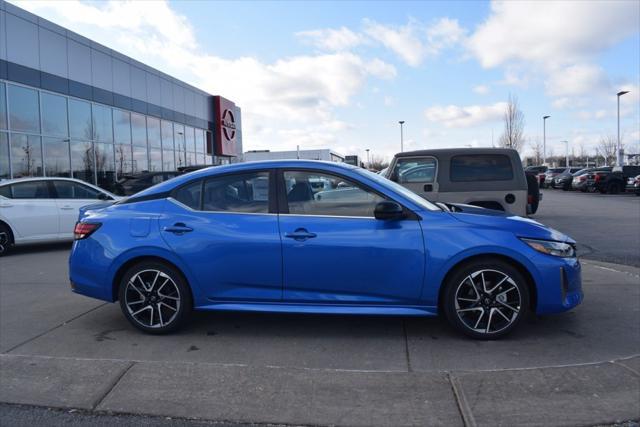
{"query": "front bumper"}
(561, 286)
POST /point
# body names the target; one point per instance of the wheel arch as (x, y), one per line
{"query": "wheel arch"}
(115, 285)
(12, 235)
(531, 284)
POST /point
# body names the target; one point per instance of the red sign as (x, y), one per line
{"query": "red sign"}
(225, 126)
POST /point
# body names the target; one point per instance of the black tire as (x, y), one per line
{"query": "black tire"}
(169, 301)
(493, 270)
(6, 239)
(533, 190)
(613, 188)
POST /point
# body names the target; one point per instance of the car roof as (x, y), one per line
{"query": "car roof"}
(454, 151)
(41, 178)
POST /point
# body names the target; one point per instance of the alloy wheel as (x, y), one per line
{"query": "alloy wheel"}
(152, 298)
(487, 301)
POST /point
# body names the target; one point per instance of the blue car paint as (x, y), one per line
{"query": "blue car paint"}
(244, 262)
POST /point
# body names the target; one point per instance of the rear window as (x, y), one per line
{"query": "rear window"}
(481, 167)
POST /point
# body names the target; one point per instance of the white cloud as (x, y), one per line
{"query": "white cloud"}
(332, 39)
(453, 116)
(414, 41)
(301, 93)
(389, 101)
(576, 80)
(481, 89)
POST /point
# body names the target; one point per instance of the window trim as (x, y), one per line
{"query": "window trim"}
(283, 205)
(509, 160)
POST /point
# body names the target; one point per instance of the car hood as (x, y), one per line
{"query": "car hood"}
(521, 227)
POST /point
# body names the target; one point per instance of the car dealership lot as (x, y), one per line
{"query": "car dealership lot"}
(63, 350)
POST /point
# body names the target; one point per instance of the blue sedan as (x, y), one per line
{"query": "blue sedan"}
(316, 237)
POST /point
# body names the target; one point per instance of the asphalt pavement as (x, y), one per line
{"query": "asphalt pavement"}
(80, 356)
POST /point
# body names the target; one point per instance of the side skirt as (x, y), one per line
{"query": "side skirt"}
(387, 310)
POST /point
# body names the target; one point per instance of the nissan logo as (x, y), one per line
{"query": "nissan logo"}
(228, 125)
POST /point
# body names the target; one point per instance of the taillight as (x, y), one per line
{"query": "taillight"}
(583, 178)
(84, 230)
(597, 177)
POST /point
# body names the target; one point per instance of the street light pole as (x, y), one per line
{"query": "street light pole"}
(544, 139)
(401, 136)
(368, 161)
(566, 152)
(619, 159)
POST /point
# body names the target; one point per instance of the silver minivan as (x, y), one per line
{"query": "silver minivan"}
(487, 177)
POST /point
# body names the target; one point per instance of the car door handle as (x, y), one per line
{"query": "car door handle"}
(67, 208)
(178, 228)
(300, 235)
(428, 187)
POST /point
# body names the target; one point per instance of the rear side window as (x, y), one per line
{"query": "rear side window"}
(247, 193)
(73, 190)
(31, 190)
(481, 167)
(422, 170)
(5, 191)
(189, 195)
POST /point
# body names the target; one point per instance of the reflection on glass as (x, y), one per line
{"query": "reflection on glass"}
(155, 160)
(4, 156)
(138, 130)
(168, 162)
(25, 112)
(153, 132)
(26, 155)
(103, 124)
(167, 135)
(54, 115)
(122, 126)
(139, 159)
(80, 119)
(56, 157)
(123, 160)
(190, 139)
(178, 135)
(105, 166)
(82, 163)
(190, 159)
(3, 106)
(200, 141)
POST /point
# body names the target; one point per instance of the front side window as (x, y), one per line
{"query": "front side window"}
(481, 167)
(73, 190)
(420, 170)
(315, 193)
(30, 190)
(189, 195)
(247, 193)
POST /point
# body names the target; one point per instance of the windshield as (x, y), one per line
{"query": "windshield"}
(400, 189)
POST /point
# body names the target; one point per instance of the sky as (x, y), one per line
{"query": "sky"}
(341, 75)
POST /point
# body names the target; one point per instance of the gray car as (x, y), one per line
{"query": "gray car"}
(487, 177)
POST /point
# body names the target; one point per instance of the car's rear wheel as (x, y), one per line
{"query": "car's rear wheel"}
(154, 297)
(6, 239)
(613, 188)
(486, 299)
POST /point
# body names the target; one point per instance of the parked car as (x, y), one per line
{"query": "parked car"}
(210, 240)
(614, 182)
(539, 172)
(551, 174)
(584, 180)
(565, 179)
(633, 185)
(487, 177)
(37, 210)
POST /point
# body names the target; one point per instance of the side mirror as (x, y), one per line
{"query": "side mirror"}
(103, 196)
(388, 210)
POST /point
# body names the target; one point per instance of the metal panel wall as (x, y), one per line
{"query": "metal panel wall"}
(53, 53)
(79, 62)
(22, 41)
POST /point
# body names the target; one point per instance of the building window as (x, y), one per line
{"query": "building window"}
(123, 160)
(155, 160)
(153, 132)
(4, 156)
(200, 146)
(82, 163)
(54, 115)
(138, 130)
(122, 126)
(140, 161)
(26, 155)
(56, 157)
(3, 106)
(190, 138)
(178, 135)
(105, 165)
(102, 123)
(24, 109)
(167, 135)
(80, 120)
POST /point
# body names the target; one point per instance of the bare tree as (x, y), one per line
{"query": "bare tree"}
(536, 147)
(377, 163)
(513, 126)
(607, 148)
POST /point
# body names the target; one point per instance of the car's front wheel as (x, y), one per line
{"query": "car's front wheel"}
(486, 299)
(154, 297)
(5, 239)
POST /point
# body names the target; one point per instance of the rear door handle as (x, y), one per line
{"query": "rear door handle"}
(67, 208)
(300, 235)
(178, 228)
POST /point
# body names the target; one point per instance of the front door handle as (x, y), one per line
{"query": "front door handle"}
(300, 235)
(428, 187)
(178, 228)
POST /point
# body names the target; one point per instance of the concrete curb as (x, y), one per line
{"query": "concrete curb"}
(604, 392)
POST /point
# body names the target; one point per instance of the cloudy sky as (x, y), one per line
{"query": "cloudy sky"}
(340, 75)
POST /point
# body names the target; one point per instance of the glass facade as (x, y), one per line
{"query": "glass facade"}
(47, 134)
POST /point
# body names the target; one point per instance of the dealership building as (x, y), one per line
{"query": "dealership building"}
(71, 107)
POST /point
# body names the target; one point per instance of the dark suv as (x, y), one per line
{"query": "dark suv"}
(614, 182)
(564, 179)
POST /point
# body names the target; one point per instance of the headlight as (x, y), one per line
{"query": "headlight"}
(564, 250)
